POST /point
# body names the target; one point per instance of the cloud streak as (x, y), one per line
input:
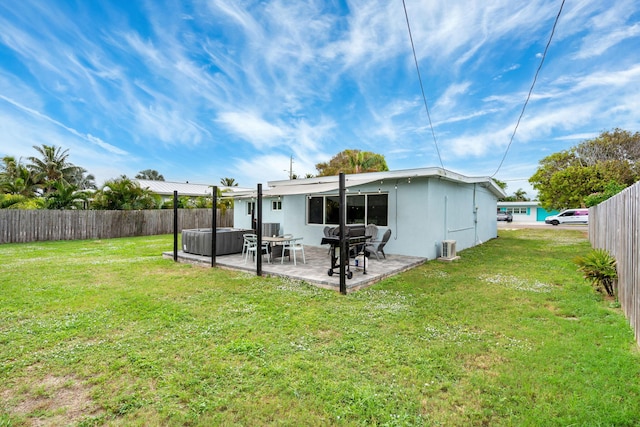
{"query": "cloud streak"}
(234, 88)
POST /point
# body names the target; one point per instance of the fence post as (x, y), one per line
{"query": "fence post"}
(259, 232)
(175, 226)
(214, 224)
(342, 212)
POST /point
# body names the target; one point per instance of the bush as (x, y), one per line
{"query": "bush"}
(599, 267)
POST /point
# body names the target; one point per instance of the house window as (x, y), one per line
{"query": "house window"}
(251, 207)
(315, 210)
(377, 209)
(361, 209)
(517, 211)
(276, 205)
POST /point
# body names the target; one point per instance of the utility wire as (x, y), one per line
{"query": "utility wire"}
(535, 78)
(424, 98)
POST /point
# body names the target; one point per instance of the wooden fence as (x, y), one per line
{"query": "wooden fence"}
(21, 226)
(614, 225)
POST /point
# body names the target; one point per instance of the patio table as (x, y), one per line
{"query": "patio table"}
(276, 243)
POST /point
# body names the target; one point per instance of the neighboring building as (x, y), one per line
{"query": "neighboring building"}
(526, 211)
(422, 207)
(165, 189)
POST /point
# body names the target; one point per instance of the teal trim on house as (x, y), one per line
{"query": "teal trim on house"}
(542, 213)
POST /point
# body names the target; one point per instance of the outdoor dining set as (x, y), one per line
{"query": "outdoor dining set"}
(273, 247)
(362, 241)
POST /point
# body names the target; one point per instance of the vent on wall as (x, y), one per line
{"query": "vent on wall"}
(448, 250)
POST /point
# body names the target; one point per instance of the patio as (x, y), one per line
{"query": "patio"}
(314, 271)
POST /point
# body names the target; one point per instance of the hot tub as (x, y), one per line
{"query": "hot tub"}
(228, 241)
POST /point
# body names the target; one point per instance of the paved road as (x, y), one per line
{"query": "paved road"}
(514, 224)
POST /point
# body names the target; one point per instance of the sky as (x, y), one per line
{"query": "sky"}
(213, 89)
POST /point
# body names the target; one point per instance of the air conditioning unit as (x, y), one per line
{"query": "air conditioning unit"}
(448, 250)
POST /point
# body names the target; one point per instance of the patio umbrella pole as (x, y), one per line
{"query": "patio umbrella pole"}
(214, 224)
(342, 211)
(259, 232)
(175, 226)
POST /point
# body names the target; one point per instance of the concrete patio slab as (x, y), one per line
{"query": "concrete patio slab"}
(314, 271)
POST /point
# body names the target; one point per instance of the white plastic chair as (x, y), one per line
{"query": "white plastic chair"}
(247, 242)
(252, 248)
(293, 245)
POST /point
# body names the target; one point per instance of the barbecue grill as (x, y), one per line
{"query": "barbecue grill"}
(356, 239)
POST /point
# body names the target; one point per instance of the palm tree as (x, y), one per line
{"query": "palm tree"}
(520, 195)
(52, 166)
(228, 182)
(65, 196)
(150, 174)
(83, 180)
(123, 194)
(15, 178)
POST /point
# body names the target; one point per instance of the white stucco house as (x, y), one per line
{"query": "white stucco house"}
(529, 212)
(422, 207)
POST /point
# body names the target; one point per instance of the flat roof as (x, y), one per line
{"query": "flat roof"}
(324, 184)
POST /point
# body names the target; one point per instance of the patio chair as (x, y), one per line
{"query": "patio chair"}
(372, 230)
(293, 245)
(328, 232)
(253, 248)
(247, 242)
(378, 246)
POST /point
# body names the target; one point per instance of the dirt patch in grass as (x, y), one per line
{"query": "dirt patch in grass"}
(52, 401)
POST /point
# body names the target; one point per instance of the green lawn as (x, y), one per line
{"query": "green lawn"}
(109, 332)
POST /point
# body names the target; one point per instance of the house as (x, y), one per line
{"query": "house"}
(422, 207)
(530, 212)
(165, 189)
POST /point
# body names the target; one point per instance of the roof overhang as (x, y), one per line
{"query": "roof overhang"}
(325, 184)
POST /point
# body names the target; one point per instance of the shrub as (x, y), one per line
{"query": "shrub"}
(599, 267)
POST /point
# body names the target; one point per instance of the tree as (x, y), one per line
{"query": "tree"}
(566, 178)
(65, 196)
(53, 166)
(123, 194)
(150, 174)
(500, 184)
(610, 190)
(352, 161)
(228, 182)
(84, 181)
(15, 178)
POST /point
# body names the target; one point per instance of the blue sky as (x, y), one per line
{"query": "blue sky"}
(229, 88)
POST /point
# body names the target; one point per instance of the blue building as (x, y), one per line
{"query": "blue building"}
(422, 207)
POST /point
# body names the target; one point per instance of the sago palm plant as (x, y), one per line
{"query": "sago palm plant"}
(599, 267)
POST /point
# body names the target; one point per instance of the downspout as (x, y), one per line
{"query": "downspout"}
(475, 215)
(446, 228)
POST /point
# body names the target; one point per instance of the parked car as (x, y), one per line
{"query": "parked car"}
(505, 216)
(569, 216)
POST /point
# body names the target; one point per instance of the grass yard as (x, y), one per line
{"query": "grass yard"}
(109, 333)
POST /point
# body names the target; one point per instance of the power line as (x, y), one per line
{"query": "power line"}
(535, 78)
(424, 98)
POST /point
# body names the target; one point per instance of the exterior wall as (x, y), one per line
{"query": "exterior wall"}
(422, 213)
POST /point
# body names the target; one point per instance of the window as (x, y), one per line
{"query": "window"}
(276, 205)
(251, 206)
(315, 210)
(377, 209)
(518, 211)
(361, 209)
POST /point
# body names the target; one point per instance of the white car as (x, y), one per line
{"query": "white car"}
(569, 216)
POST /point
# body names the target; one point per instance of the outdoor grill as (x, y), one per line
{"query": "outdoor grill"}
(356, 239)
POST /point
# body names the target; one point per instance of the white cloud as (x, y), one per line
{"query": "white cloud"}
(252, 128)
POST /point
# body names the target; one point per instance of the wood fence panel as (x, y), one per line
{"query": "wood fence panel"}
(22, 226)
(614, 225)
